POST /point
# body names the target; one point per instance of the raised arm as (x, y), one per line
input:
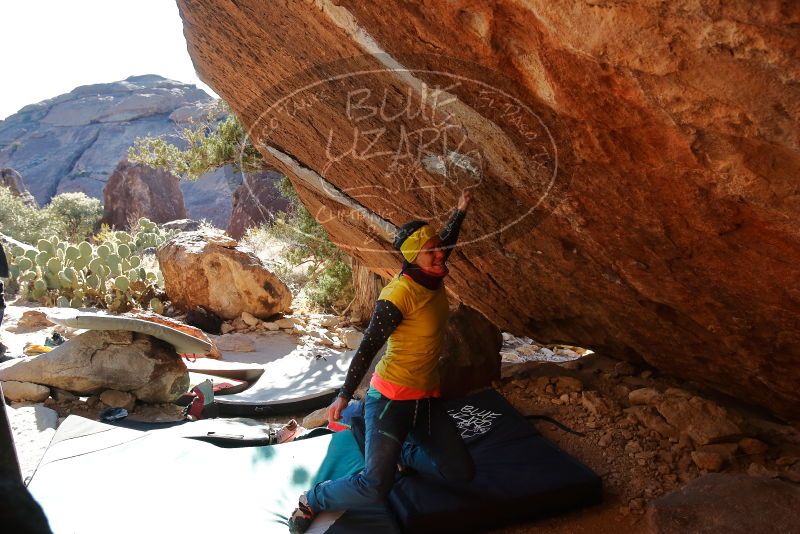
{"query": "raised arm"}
(385, 318)
(449, 235)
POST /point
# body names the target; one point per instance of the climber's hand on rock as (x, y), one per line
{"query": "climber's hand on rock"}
(463, 202)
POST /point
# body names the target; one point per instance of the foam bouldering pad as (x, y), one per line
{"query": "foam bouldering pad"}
(97, 478)
(183, 342)
(293, 383)
(220, 385)
(519, 476)
(247, 372)
(235, 432)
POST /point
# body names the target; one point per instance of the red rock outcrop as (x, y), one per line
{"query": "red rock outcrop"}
(255, 201)
(135, 190)
(634, 168)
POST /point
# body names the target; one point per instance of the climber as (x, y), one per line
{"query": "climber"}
(406, 424)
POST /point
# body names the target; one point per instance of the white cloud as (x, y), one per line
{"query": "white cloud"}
(52, 46)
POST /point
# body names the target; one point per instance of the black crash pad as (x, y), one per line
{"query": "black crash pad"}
(519, 475)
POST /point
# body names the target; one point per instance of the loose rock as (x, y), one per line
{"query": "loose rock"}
(648, 417)
(285, 323)
(643, 396)
(704, 421)
(16, 391)
(249, 319)
(118, 399)
(352, 337)
(710, 461)
(33, 320)
(596, 404)
(758, 470)
(726, 451)
(329, 321)
(568, 384)
(235, 343)
(753, 446)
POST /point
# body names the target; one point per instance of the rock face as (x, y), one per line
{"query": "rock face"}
(136, 190)
(98, 360)
(13, 181)
(470, 356)
(255, 201)
(727, 503)
(74, 141)
(211, 270)
(633, 170)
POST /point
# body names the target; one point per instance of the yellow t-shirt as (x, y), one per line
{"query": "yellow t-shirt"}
(412, 352)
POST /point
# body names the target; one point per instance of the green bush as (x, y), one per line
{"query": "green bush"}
(25, 223)
(329, 281)
(77, 214)
(333, 288)
(70, 216)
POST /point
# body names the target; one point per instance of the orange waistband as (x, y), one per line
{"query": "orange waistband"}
(393, 391)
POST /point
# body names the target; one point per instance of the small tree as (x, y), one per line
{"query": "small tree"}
(215, 143)
(329, 283)
(209, 144)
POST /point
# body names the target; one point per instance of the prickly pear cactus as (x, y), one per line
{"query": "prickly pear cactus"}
(109, 275)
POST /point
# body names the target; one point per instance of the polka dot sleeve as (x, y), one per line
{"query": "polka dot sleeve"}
(385, 318)
(449, 235)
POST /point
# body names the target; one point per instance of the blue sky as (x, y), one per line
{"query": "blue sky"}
(52, 46)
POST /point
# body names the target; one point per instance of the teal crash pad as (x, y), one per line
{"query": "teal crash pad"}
(97, 478)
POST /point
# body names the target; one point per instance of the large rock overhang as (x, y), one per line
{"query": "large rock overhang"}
(634, 171)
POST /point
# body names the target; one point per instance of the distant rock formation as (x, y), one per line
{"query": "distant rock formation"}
(254, 201)
(13, 180)
(136, 190)
(73, 142)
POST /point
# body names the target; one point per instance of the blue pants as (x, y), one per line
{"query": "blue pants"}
(417, 434)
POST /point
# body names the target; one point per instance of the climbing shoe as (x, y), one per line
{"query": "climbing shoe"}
(302, 517)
